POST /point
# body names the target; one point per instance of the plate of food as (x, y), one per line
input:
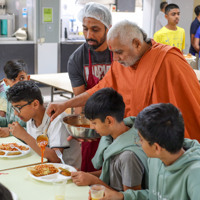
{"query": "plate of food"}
(51, 172)
(13, 150)
(189, 57)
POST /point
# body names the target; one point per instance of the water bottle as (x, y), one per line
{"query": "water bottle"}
(24, 17)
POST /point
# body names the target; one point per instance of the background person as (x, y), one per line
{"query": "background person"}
(90, 62)
(145, 72)
(160, 18)
(175, 159)
(15, 71)
(171, 34)
(27, 101)
(124, 164)
(193, 28)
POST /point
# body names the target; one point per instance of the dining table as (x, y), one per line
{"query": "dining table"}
(26, 188)
(6, 163)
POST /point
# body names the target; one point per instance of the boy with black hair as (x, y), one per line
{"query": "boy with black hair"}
(15, 71)
(171, 34)
(124, 164)
(174, 164)
(27, 103)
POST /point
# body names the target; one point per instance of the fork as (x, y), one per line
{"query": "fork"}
(59, 154)
(14, 147)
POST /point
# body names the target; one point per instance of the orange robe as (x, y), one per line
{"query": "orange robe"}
(162, 75)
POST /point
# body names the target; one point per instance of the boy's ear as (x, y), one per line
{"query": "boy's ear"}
(109, 120)
(6, 81)
(36, 103)
(158, 149)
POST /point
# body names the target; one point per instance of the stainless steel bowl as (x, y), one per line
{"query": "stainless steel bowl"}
(73, 124)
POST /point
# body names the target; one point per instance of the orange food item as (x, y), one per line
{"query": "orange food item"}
(42, 142)
(43, 170)
(7, 147)
(13, 153)
(83, 125)
(65, 172)
(2, 153)
(189, 55)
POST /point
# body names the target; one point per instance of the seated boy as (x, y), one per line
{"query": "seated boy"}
(15, 71)
(27, 103)
(174, 164)
(124, 164)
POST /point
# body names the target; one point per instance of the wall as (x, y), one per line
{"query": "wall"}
(151, 9)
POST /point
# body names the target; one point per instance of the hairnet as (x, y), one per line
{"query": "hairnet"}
(96, 11)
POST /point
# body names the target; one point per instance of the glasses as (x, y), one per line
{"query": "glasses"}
(18, 109)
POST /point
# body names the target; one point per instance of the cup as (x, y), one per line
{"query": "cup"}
(97, 191)
(59, 190)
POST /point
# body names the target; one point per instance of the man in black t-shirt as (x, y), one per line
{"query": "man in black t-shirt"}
(90, 62)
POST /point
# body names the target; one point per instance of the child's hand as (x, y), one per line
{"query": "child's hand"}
(4, 132)
(82, 178)
(17, 130)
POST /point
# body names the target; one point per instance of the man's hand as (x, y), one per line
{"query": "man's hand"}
(82, 178)
(54, 109)
(17, 130)
(4, 132)
(110, 195)
(80, 140)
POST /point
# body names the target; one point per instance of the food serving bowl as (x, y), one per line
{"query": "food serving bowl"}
(78, 126)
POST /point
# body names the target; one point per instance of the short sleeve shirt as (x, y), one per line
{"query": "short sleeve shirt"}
(57, 134)
(3, 98)
(78, 65)
(197, 35)
(125, 169)
(193, 28)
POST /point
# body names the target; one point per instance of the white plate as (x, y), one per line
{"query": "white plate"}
(14, 156)
(14, 196)
(190, 59)
(57, 176)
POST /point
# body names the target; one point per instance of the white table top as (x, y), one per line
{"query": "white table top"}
(10, 163)
(59, 80)
(26, 188)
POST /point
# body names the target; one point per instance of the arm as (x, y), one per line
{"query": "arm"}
(58, 108)
(83, 178)
(196, 44)
(79, 90)
(21, 134)
(4, 132)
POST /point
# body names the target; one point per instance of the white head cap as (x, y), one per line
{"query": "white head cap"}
(96, 11)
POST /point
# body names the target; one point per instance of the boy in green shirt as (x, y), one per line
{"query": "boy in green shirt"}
(15, 71)
(174, 164)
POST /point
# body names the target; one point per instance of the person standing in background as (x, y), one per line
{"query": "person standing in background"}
(193, 28)
(197, 45)
(171, 34)
(90, 62)
(160, 19)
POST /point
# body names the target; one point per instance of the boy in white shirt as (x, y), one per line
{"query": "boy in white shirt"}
(27, 102)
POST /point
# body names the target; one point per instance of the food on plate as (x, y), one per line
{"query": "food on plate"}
(64, 172)
(13, 153)
(2, 153)
(43, 170)
(189, 55)
(8, 147)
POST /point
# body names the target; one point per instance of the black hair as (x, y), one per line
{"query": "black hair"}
(103, 103)
(163, 4)
(163, 124)
(5, 194)
(170, 7)
(13, 67)
(197, 10)
(24, 91)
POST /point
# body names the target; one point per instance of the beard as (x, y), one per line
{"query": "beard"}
(98, 44)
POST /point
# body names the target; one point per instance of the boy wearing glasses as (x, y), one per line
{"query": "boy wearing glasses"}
(124, 164)
(15, 71)
(174, 164)
(27, 103)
